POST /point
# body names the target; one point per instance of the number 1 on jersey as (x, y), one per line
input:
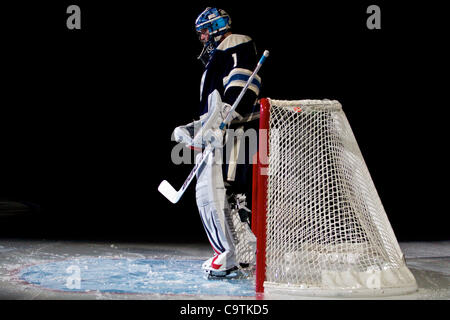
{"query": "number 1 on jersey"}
(235, 59)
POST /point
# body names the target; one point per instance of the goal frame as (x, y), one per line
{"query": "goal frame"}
(259, 228)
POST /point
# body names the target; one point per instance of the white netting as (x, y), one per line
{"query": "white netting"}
(326, 226)
(243, 239)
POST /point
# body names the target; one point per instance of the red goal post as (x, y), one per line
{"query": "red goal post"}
(259, 199)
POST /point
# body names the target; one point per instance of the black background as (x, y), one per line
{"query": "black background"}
(87, 115)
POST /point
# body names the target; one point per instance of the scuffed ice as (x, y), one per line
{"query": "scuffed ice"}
(133, 276)
(38, 269)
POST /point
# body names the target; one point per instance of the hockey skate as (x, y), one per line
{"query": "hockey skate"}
(214, 271)
(216, 268)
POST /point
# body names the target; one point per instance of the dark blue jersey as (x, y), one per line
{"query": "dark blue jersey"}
(228, 70)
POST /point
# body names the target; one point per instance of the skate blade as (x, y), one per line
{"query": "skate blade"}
(227, 275)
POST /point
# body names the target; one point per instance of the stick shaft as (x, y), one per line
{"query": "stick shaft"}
(249, 82)
(164, 186)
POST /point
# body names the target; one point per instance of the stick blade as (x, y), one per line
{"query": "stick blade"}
(168, 191)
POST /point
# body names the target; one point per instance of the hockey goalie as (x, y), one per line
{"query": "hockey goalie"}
(223, 187)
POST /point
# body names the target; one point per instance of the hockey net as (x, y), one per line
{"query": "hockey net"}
(320, 224)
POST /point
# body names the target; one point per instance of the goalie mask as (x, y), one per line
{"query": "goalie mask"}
(211, 25)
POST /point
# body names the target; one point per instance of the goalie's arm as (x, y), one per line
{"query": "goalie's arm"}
(247, 85)
(241, 64)
(165, 188)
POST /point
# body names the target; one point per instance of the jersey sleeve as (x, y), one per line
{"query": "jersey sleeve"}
(241, 60)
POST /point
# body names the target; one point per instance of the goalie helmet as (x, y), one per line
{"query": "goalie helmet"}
(216, 22)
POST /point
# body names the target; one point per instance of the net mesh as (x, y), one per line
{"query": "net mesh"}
(326, 225)
(243, 239)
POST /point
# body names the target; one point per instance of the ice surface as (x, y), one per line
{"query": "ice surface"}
(85, 270)
(155, 276)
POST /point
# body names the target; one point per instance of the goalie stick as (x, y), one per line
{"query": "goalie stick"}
(165, 187)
